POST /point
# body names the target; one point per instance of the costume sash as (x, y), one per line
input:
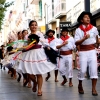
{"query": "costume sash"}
(50, 39)
(65, 38)
(89, 27)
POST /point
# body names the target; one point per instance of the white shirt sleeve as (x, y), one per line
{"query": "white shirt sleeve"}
(96, 31)
(77, 35)
(42, 39)
(58, 42)
(73, 43)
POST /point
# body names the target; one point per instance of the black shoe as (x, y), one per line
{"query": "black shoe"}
(80, 90)
(94, 94)
(19, 78)
(24, 85)
(3, 68)
(11, 75)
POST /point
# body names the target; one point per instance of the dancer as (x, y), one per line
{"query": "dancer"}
(34, 62)
(86, 36)
(1, 56)
(66, 45)
(8, 59)
(52, 42)
(24, 33)
(18, 43)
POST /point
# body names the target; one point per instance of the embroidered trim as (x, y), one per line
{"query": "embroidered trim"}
(30, 61)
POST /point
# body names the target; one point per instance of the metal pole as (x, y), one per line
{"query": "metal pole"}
(87, 5)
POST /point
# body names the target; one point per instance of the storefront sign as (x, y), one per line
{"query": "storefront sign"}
(64, 24)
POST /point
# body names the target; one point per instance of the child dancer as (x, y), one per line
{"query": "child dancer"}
(66, 45)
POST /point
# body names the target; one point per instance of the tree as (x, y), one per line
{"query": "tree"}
(3, 7)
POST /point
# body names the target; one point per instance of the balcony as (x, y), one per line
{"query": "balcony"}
(37, 18)
(51, 21)
(60, 10)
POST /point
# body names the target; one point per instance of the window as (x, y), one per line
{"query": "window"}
(52, 6)
(52, 13)
(24, 6)
(27, 2)
(63, 6)
(40, 8)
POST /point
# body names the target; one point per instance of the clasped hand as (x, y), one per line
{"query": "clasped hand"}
(87, 36)
(64, 43)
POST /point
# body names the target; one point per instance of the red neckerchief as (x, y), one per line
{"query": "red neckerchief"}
(64, 38)
(89, 27)
(50, 39)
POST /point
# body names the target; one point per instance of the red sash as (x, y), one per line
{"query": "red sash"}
(65, 38)
(50, 39)
(89, 27)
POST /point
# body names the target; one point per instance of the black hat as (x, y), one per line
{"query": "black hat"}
(50, 31)
(64, 29)
(34, 37)
(82, 15)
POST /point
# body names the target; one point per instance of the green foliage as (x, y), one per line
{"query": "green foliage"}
(3, 7)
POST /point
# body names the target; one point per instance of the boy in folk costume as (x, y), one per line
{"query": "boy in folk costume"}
(86, 36)
(65, 45)
(52, 42)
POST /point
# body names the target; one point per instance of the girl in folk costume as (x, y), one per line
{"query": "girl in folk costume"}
(24, 33)
(1, 55)
(52, 42)
(34, 62)
(8, 59)
(22, 42)
(17, 44)
(86, 36)
(66, 45)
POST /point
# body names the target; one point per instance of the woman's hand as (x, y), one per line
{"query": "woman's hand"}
(48, 48)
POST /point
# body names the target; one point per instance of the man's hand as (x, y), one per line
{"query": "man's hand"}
(64, 43)
(87, 36)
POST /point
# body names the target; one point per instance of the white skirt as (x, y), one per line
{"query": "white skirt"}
(7, 59)
(35, 62)
(16, 57)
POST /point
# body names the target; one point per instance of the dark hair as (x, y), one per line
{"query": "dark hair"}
(10, 48)
(23, 31)
(18, 32)
(32, 21)
(2, 46)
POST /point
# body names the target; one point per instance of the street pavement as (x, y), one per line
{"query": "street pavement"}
(12, 90)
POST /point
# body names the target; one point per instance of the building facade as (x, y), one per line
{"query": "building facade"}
(20, 15)
(68, 11)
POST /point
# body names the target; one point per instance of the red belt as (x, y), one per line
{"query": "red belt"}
(34, 47)
(66, 52)
(87, 47)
